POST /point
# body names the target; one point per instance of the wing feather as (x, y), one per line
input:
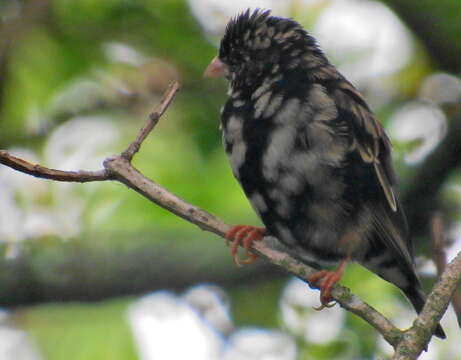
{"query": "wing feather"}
(370, 139)
(373, 147)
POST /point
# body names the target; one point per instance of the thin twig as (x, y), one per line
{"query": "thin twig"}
(440, 258)
(52, 174)
(168, 97)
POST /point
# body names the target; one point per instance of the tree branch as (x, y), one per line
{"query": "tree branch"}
(153, 119)
(124, 172)
(119, 168)
(440, 258)
(416, 338)
(52, 174)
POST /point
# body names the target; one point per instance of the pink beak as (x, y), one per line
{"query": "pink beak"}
(215, 69)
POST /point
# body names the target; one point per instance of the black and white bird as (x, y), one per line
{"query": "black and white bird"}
(310, 155)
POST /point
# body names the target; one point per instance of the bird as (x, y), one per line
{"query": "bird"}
(311, 157)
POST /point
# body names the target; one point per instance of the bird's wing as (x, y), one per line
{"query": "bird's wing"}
(369, 137)
(374, 147)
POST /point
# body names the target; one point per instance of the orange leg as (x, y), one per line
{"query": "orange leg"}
(325, 281)
(244, 235)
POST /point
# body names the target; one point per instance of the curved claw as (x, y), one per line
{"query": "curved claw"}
(244, 235)
(323, 306)
(325, 281)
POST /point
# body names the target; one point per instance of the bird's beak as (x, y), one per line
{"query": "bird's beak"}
(215, 69)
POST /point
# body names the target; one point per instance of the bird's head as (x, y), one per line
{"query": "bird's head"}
(256, 45)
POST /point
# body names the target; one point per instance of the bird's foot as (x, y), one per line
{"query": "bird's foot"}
(325, 281)
(244, 235)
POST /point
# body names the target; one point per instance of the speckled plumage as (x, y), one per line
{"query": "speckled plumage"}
(309, 153)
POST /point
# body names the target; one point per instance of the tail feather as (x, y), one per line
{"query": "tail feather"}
(418, 299)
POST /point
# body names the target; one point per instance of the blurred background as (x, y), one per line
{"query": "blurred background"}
(95, 271)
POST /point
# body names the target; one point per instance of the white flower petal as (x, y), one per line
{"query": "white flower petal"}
(165, 327)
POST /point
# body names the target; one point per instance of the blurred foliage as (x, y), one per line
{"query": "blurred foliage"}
(439, 27)
(69, 64)
(97, 331)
